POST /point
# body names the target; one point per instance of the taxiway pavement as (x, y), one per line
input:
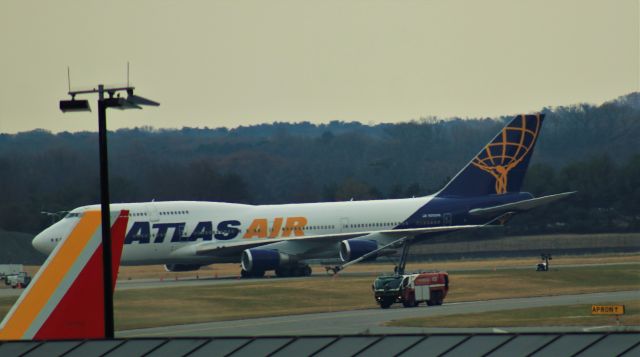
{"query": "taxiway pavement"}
(226, 280)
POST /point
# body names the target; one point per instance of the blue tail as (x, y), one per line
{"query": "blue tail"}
(500, 167)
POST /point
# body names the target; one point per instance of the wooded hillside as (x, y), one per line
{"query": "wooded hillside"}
(592, 149)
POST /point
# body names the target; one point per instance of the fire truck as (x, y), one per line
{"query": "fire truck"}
(14, 275)
(411, 289)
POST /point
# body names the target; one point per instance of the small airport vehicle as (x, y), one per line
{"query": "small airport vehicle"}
(411, 289)
(19, 280)
(544, 264)
(14, 275)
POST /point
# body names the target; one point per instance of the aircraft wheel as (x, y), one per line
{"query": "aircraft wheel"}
(306, 271)
(283, 272)
(251, 274)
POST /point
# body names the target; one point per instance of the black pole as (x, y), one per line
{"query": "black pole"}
(106, 219)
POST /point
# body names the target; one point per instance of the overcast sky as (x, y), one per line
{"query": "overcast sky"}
(231, 63)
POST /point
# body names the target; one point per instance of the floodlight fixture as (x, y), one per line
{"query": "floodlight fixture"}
(75, 105)
(124, 104)
(120, 104)
(136, 99)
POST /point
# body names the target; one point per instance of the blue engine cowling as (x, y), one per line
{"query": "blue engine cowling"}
(351, 249)
(254, 260)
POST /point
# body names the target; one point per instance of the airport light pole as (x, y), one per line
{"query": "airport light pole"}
(76, 105)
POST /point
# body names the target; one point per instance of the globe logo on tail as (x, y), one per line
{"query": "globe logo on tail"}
(508, 150)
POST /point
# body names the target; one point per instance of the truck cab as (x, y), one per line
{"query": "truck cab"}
(411, 289)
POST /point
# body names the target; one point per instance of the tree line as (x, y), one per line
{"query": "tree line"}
(592, 149)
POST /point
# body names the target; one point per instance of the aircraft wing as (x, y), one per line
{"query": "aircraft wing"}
(519, 206)
(412, 232)
(231, 248)
(303, 242)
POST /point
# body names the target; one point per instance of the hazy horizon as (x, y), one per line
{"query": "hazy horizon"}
(229, 64)
(152, 127)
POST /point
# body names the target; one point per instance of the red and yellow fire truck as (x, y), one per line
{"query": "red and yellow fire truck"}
(411, 289)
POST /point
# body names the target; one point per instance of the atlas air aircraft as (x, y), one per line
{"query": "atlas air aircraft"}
(185, 235)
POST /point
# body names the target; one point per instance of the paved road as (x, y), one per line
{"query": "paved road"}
(371, 320)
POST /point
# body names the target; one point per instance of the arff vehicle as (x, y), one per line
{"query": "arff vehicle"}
(19, 280)
(14, 275)
(411, 289)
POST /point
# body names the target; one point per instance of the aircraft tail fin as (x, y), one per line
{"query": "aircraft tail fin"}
(501, 165)
(65, 300)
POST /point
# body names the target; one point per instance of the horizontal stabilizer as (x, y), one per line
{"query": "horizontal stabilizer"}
(519, 206)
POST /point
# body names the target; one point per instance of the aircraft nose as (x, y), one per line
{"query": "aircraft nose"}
(47, 240)
(39, 243)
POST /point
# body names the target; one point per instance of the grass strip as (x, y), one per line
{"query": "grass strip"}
(141, 308)
(161, 307)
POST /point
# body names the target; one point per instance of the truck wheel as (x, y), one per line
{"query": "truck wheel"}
(430, 302)
(385, 304)
(409, 303)
(437, 298)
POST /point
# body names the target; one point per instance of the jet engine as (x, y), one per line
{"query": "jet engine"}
(351, 249)
(259, 260)
(181, 267)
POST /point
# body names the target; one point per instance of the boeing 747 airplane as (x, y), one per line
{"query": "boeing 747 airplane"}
(184, 235)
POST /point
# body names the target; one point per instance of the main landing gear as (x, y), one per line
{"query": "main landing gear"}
(251, 274)
(300, 270)
(283, 272)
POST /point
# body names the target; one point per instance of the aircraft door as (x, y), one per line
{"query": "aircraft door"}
(446, 219)
(152, 212)
(344, 224)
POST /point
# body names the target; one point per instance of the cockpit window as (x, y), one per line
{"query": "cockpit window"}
(73, 214)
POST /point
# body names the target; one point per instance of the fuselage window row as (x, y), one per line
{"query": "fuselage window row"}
(168, 213)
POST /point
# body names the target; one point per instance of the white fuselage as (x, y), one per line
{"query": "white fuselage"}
(167, 232)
